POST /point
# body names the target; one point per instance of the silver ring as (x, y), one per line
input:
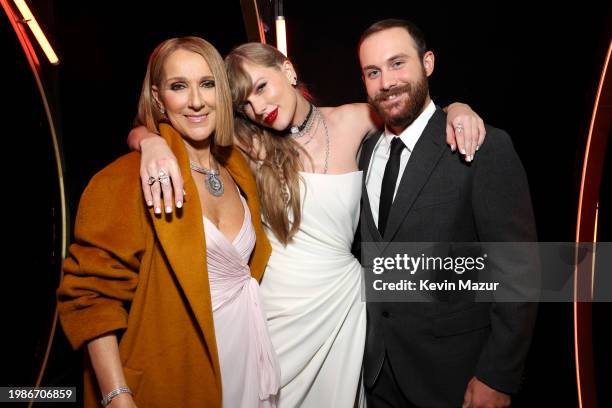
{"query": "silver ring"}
(163, 177)
(459, 127)
(151, 180)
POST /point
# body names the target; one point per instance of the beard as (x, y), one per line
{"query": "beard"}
(408, 110)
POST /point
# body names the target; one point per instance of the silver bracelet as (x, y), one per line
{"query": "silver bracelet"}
(106, 400)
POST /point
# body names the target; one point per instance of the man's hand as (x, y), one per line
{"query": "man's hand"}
(480, 395)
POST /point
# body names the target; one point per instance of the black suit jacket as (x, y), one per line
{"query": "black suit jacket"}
(435, 348)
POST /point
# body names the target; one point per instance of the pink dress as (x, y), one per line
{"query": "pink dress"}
(250, 374)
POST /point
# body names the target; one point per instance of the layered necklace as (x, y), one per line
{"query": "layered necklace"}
(304, 128)
(212, 181)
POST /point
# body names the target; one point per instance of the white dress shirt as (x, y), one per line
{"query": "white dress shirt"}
(376, 170)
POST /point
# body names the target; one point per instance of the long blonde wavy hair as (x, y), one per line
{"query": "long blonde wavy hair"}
(277, 156)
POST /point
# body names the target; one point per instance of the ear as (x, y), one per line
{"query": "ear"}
(155, 93)
(428, 62)
(289, 71)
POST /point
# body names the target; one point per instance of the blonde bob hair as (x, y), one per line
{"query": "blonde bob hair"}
(149, 114)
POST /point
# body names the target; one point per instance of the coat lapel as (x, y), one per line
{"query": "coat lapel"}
(181, 235)
(364, 165)
(423, 159)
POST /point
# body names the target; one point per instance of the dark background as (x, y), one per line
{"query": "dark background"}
(531, 72)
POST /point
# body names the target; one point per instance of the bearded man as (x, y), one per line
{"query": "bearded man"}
(442, 353)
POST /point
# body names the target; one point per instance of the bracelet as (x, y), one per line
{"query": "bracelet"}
(106, 400)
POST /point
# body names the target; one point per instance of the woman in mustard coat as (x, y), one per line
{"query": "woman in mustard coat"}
(142, 291)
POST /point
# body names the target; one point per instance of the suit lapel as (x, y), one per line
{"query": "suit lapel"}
(423, 159)
(364, 165)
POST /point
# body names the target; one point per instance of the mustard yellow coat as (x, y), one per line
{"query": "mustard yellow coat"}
(144, 277)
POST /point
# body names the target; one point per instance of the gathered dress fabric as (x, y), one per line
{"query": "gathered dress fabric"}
(311, 294)
(250, 374)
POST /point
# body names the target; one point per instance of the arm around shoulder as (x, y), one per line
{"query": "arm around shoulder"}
(362, 117)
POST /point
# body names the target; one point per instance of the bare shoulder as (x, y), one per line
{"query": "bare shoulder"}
(360, 117)
(348, 111)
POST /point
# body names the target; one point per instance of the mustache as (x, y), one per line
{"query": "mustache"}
(382, 95)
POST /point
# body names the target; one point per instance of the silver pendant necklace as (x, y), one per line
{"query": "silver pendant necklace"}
(326, 145)
(212, 181)
(319, 117)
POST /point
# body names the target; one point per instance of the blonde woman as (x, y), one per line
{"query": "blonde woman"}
(169, 308)
(304, 160)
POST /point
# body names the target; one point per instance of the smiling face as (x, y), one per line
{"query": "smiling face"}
(395, 76)
(273, 100)
(187, 94)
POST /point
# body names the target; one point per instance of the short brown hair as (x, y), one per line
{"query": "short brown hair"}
(415, 32)
(148, 111)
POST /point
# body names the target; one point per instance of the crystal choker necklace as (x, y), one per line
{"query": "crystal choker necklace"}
(301, 130)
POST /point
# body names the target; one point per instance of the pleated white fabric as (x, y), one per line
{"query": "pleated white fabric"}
(311, 297)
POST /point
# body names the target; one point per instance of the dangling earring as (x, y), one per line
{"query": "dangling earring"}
(162, 110)
(294, 81)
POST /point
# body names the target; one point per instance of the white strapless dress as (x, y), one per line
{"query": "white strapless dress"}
(311, 297)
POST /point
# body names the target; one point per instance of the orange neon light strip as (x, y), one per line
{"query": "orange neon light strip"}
(281, 35)
(28, 18)
(586, 401)
(594, 252)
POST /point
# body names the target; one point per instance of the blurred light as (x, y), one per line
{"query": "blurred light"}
(281, 35)
(28, 18)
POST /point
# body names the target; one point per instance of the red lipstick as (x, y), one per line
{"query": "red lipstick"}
(271, 117)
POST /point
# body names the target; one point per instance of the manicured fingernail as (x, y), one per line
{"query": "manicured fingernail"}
(150, 203)
(157, 210)
(168, 209)
(453, 148)
(179, 204)
(462, 151)
(477, 147)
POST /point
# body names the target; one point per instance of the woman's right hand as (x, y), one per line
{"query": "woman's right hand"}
(160, 174)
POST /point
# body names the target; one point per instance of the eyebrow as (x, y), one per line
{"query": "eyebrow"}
(179, 78)
(393, 57)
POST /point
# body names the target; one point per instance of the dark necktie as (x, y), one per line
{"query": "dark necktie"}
(388, 183)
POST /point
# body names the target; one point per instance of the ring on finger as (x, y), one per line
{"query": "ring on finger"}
(151, 180)
(459, 127)
(163, 177)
